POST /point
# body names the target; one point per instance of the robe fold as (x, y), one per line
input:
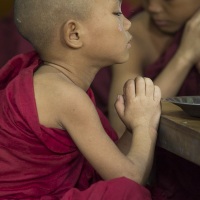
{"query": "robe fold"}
(37, 162)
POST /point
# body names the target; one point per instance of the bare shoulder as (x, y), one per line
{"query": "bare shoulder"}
(58, 98)
(143, 43)
(140, 25)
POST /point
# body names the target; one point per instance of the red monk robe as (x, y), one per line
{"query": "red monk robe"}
(44, 163)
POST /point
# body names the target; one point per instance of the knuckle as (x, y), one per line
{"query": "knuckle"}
(129, 82)
(190, 25)
(148, 80)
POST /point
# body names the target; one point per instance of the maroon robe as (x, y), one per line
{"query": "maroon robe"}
(37, 162)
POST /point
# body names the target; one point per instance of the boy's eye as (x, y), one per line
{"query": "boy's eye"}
(118, 13)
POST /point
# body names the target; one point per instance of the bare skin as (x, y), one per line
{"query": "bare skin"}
(139, 109)
(60, 87)
(153, 30)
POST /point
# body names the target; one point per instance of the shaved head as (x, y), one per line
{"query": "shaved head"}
(38, 21)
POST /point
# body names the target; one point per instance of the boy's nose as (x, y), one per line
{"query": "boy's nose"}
(154, 6)
(127, 24)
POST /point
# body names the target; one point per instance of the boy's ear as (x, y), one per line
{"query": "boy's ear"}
(72, 34)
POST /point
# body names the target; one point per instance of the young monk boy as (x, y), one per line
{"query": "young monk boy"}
(166, 48)
(54, 142)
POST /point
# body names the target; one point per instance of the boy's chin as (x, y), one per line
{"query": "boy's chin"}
(123, 60)
(118, 59)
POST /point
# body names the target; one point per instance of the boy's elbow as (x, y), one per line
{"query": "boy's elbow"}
(136, 175)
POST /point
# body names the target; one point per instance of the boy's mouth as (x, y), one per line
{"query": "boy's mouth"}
(129, 42)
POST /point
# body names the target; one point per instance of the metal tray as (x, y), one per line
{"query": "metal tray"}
(189, 104)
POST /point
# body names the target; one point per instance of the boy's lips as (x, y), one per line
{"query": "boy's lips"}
(130, 39)
(160, 22)
(129, 43)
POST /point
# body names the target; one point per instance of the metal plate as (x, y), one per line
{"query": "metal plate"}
(189, 104)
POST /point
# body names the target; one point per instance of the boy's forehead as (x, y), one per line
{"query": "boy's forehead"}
(118, 1)
(108, 2)
(114, 1)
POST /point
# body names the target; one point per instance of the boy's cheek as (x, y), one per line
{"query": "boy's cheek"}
(120, 27)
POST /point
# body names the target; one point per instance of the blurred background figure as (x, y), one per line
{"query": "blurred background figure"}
(165, 48)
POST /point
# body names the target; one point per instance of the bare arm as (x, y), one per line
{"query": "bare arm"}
(145, 124)
(140, 111)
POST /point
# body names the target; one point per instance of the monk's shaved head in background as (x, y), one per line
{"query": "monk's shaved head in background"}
(39, 20)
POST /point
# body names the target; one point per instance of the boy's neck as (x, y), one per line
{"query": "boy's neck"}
(160, 39)
(71, 75)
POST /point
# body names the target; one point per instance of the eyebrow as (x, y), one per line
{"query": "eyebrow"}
(118, 1)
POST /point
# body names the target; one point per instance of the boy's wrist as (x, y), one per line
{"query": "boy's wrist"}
(145, 130)
(185, 59)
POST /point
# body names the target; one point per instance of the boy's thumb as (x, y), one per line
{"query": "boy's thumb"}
(119, 105)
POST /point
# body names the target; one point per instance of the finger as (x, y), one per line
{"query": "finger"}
(196, 15)
(140, 86)
(157, 93)
(149, 87)
(119, 105)
(129, 90)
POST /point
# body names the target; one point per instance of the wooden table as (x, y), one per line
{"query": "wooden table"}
(179, 133)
